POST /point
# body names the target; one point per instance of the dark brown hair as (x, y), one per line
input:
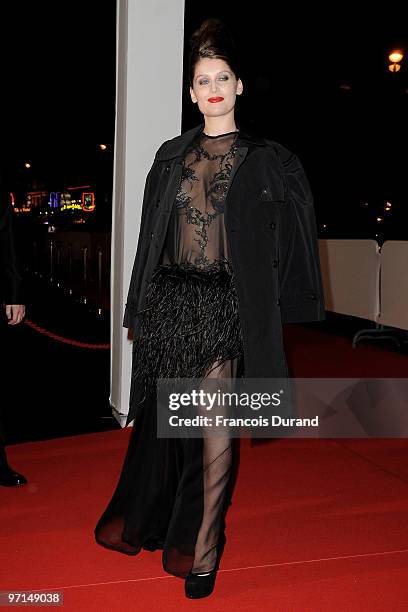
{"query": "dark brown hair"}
(213, 39)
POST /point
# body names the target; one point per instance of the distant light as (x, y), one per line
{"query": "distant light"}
(345, 86)
(395, 56)
(379, 219)
(88, 202)
(80, 187)
(388, 205)
(103, 147)
(27, 165)
(394, 67)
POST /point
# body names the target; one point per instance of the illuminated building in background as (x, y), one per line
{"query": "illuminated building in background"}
(76, 200)
(88, 202)
(55, 200)
(32, 200)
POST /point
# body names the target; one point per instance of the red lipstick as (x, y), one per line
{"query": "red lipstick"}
(215, 99)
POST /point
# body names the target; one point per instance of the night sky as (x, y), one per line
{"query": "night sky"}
(352, 142)
(59, 86)
(59, 76)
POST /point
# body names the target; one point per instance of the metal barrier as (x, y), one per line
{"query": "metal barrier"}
(76, 264)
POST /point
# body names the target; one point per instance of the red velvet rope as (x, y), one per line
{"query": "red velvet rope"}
(58, 338)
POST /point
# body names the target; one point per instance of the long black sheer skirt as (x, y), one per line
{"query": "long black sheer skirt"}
(173, 493)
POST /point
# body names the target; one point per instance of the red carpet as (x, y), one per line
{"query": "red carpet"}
(315, 525)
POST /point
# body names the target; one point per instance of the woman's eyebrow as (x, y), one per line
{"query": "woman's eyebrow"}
(201, 75)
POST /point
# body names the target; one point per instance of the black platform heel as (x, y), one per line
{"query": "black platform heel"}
(202, 584)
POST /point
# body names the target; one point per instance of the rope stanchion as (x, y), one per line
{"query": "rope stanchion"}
(58, 338)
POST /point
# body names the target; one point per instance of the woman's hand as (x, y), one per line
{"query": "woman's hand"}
(15, 313)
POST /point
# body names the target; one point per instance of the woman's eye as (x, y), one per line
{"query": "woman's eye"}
(204, 81)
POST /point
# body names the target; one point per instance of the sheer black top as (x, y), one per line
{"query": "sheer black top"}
(196, 233)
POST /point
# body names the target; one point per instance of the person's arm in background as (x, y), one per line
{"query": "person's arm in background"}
(11, 283)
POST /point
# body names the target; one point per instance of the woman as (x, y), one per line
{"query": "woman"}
(204, 302)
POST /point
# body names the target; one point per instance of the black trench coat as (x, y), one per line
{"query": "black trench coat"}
(272, 238)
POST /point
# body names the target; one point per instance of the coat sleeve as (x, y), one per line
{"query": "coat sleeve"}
(151, 185)
(301, 284)
(11, 288)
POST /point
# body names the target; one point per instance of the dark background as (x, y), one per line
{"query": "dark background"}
(58, 85)
(352, 142)
(58, 94)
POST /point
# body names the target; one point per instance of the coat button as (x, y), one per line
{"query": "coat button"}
(278, 302)
(151, 234)
(264, 191)
(167, 168)
(157, 203)
(313, 296)
(272, 225)
(275, 263)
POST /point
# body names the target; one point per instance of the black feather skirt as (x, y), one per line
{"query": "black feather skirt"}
(190, 325)
(173, 494)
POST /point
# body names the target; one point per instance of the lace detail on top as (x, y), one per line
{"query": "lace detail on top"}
(196, 234)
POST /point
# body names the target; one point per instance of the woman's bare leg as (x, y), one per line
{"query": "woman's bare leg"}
(217, 468)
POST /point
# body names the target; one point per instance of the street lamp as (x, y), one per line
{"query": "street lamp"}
(395, 57)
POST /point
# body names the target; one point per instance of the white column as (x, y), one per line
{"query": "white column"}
(149, 64)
